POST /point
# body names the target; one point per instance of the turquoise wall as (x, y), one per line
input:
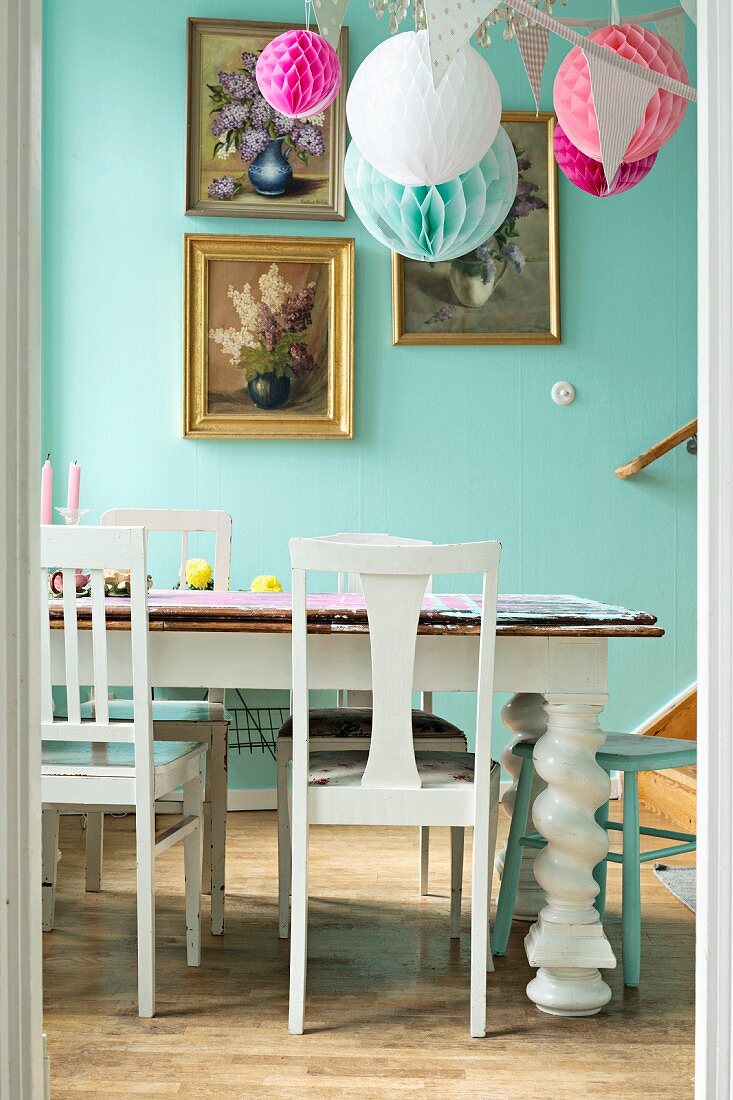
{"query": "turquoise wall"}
(450, 443)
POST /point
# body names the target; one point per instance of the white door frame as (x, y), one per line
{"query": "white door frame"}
(21, 1062)
(22, 1071)
(715, 558)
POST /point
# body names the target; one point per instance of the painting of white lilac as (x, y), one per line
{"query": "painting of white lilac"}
(505, 291)
(268, 338)
(245, 159)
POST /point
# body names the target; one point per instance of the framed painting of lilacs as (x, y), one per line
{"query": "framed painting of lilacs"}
(506, 291)
(269, 342)
(244, 159)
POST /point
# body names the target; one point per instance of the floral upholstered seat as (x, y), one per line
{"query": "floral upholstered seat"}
(345, 769)
(357, 722)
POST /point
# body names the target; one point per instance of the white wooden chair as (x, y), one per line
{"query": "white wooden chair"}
(392, 783)
(101, 763)
(174, 717)
(328, 733)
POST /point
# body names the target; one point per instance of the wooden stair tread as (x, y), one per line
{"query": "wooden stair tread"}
(671, 794)
(686, 776)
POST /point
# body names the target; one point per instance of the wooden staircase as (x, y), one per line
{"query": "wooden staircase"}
(673, 793)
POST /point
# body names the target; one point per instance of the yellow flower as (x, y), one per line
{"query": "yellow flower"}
(265, 584)
(198, 573)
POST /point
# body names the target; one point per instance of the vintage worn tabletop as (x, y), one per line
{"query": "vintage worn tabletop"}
(441, 614)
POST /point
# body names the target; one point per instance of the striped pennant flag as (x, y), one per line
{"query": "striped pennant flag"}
(533, 45)
(620, 100)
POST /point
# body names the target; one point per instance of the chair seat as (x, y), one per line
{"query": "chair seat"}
(114, 759)
(633, 752)
(357, 722)
(164, 710)
(437, 770)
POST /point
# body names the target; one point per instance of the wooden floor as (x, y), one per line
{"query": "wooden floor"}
(387, 1012)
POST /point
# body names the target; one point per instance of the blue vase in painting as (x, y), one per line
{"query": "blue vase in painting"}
(269, 390)
(269, 173)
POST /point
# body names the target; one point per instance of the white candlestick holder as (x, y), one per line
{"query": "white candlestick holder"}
(71, 516)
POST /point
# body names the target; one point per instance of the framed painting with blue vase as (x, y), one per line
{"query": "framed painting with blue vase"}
(244, 159)
(268, 336)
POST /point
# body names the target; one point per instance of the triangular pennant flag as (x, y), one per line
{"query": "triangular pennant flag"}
(330, 15)
(690, 7)
(533, 41)
(673, 29)
(449, 28)
(620, 100)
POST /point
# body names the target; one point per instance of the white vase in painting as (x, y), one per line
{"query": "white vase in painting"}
(467, 282)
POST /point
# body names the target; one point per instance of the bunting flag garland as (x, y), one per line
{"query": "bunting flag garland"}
(330, 16)
(620, 100)
(668, 21)
(647, 17)
(658, 80)
(450, 28)
(533, 42)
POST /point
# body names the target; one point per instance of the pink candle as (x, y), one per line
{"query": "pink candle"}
(72, 500)
(47, 491)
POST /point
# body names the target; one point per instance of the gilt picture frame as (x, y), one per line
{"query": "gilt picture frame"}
(268, 340)
(507, 293)
(230, 171)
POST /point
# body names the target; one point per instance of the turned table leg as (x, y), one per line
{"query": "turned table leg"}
(525, 716)
(568, 943)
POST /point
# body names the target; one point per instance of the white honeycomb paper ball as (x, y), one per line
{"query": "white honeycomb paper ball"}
(409, 130)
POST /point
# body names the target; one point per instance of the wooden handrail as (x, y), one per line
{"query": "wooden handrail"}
(662, 448)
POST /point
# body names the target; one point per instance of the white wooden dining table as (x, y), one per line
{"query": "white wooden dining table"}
(551, 654)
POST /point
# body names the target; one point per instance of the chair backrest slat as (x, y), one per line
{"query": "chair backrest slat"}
(94, 549)
(394, 579)
(46, 688)
(184, 559)
(99, 642)
(351, 582)
(142, 696)
(393, 605)
(71, 643)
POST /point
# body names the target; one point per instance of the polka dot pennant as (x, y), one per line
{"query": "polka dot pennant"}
(450, 25)
(330, 15)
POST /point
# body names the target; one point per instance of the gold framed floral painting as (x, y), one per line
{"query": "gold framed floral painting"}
(507, 291)
(244, 159)
(269, 345)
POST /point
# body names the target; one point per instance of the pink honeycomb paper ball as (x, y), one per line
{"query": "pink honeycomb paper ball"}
(299, 73)
(588, 174)
(574, 98)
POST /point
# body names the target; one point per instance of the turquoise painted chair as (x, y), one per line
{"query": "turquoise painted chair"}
(623, 752)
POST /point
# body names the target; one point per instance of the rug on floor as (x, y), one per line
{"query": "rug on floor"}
(680, 881)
